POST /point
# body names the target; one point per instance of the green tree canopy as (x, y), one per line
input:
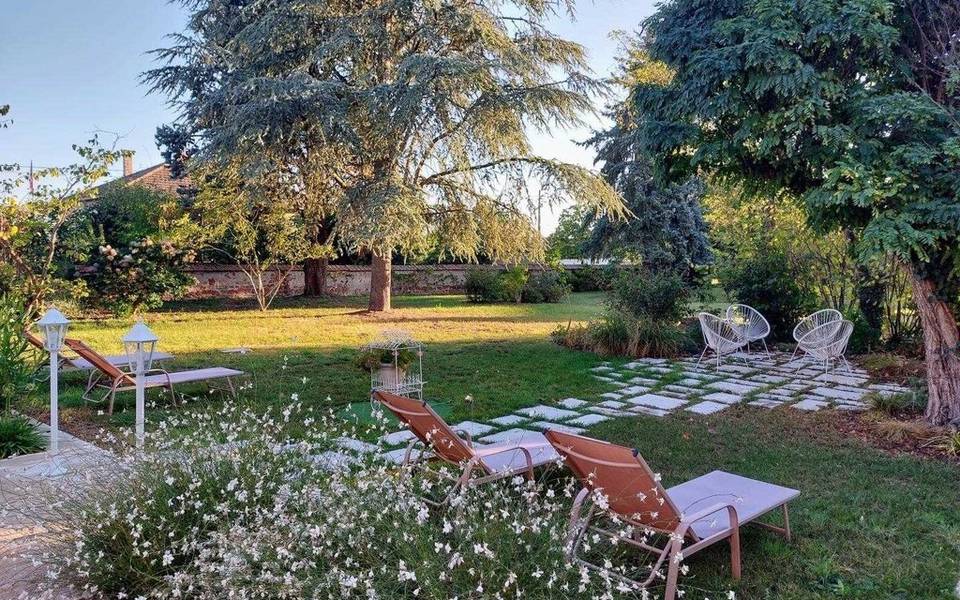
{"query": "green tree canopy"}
(421, 110)
(851, 105)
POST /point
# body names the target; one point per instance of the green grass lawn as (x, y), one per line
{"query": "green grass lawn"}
(866, 525)
(500, 354)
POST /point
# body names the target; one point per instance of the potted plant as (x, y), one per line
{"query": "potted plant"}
(382, 360)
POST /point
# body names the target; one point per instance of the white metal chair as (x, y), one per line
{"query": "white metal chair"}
(720, 336)
(752, 325)
(827, 343)
(815, 321)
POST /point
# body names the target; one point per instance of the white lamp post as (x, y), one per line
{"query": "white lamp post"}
(53, 328)
(139, 344)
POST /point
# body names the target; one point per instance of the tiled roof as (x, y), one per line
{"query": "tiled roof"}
(156, 177)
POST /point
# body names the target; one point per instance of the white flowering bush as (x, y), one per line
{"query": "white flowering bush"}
(259, 505)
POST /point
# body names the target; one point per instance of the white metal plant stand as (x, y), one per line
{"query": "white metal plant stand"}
(393, 378)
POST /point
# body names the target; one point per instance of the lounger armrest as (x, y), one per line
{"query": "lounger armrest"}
(730, 508)
(463, 433)
(484, 452)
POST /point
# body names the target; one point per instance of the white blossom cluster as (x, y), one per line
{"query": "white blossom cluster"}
(234, 503)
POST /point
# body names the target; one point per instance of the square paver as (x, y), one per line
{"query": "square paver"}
(643, 381)
(473, 428)
(611, 412)
(549, 413)
(508, 420)
(732, 387)
(588, 419)
(690, 382)
(653, 412)
(657, 401)
(398, 437)
(809, 405)
(635, 389)
(723, 397)
(841, 394)
(612, 404)
(766, 403)
(572, 403)
(356, 445)
(515, 435)
(544, 425)
(610, 395)
(706, 408)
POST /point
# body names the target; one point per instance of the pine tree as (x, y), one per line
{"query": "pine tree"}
(420, 110)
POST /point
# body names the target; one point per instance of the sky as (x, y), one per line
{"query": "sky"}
(70, 69)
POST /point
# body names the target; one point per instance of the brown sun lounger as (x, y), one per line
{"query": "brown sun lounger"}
(77, 363)
(440, 442)
(114, 380)
(670, 523)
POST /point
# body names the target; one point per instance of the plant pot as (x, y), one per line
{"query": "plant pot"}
(390, 376)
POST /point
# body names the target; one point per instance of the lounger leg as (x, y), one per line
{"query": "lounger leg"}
(786, 524)
(765, 349)
(673, 570)
(735, 567)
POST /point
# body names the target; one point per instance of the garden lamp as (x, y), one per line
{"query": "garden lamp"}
(139, 343)
(53, 327)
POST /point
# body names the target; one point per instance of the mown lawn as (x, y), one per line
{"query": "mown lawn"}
(500, 355)
(866, 525)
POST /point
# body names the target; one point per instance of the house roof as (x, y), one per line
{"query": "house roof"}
(156, 178)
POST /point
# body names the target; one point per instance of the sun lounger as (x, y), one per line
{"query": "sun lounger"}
(440, 442)
(669, 523)
(114, 380)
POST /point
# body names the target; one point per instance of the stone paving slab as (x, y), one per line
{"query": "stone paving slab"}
(706, 407)
(551, 413)
(508, 420)
(657, 401)
(473, 428)
(515, 435)
(723, 398)
(572, 403)
(588, 419)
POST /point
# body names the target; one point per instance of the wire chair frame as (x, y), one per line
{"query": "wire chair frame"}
(828, 343)
(813, 321)
(720, 336)
(753, 326)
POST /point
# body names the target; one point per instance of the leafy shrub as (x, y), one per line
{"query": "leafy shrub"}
(511, 283)
(514, 285)
(643, 318)
(481, 285)
(767, 282)
(912, 402)
(864, 338)
(139, 240)
(587, 279)
(948, 443)
(19, 364)
(18, 436)
(648, 295)
(138, 277)
(545, 286)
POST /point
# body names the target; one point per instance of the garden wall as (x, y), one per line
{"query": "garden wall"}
(228, 281)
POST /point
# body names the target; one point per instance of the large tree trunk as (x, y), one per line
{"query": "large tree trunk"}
(380, 276)
(940, 339)
(315, 276)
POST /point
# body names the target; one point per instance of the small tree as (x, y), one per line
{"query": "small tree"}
(419, 109)
(33, 225)
(853, 106)
(252, 225)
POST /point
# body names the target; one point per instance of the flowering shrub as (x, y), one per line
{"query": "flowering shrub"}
(253, 505)
(137, 277)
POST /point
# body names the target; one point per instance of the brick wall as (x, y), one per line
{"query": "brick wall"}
(228, 281)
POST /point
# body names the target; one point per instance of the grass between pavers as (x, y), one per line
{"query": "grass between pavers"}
(499, 354)
(866, 525)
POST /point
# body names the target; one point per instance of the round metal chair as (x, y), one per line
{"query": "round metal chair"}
(827, 343)
(827, 316)
(720, 336)
(752, 325)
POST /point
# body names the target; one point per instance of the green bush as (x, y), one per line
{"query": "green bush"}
(651, 296)
(545, 286)
(19, 436)
(864, 337)
(769, 284)
(19, 364)
(587, 279)
(514, 285)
